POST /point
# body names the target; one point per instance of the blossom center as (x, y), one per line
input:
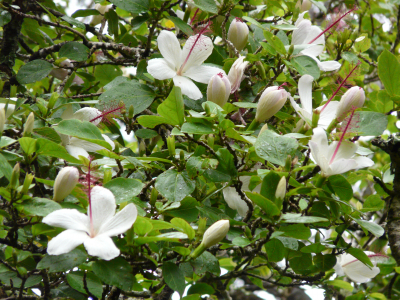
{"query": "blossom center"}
(342, 137)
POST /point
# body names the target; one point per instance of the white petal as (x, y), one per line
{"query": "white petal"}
(108, 140)
(363, 162)
(300, 34)
(328, 114)
(306, 116)
(313, 50)
(346, 150)
(77, 80)
(229, 195)
(196, 51)
(75, 151)
(202, 74)
(160, 69)
(330, 65)
(340, 166)
(68, 112)
(87, 114)
(85, 145)
(68, 219)
(305, 92)
(66, 241)
(101, 246)
(121, 222)
(359, 272)
(103, 207)
(170, 48)
(313, 32)
(188, 87)
(320, 138)
(300, 18)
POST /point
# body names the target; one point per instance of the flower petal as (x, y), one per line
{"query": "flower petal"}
(319, 137)
(170, 48)
(101, 246)
(121, 222)
(330, 65)
(357, 271)
(305, 92)
(108, 140)
(340, 166)
(313, 50)
(305, 115)
(102, 206)
(196, 51)
(68, 219)
(87, 114)
(313, 32)
(300, 34)
(66, 241)
(75, 151)
(188, 87)
(202, 74)
(160, 69)
(346, 150)
(85, 145)
(68, 112)
(363, 162)
(328, 114)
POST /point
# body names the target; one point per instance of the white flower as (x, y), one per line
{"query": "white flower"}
(102, 9)
(65, 182)
(271, 101)
(336, 158)
(236, 72)
(219, 89)
(305, 111)
(304, 5)
(61, 73)
(76, 146)
(185, 64)
(350, 266)
(10, 108)
(28, 126)
(234, 200)
(306, 35)
(93, 230)
(352, 99)
(215, 233)
(281, 189)
(238, 34)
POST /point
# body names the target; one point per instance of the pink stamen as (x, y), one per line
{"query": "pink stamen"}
(342, 137)
(333, 24)
(194, 16)
(107, 113)
(370, 256)
(340, 86)
(220, 74)
(239, 20)
(282, 85)
(191, 49)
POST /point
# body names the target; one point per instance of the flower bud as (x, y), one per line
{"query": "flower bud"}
(98, 18)
(10, 108)
(28, 126)
(27, 183)
(281, 189)
(14, 181)
(265, 127)
(2, 120)
(352, 99)
(171, 145)
(303, 5)
(271, 101)
(238, 34)
(215, 233)
(219, 89)
(65, 182)
(235, 74)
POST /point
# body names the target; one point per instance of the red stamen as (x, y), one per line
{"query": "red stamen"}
(282, 85)
(220, 74)
(340, 86)
(194, 16)
(107, 114)
(239, 20)
(342, 137)
(333, 24)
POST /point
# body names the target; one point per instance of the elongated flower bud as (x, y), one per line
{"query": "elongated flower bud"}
(65, 182)
(271, 101)
(28, 126)
(304, 5)
(219, 89)
(215, 233)
(98, 18)
(236, 72)
(238, 34)
(2, 120)
(352, 99)
(14, 181)
(281, 189)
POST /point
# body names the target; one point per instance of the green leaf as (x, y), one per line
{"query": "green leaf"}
(269, 186)
(172, 109)
(241, 241)
(174, 185)
(288, 242)
(183, 226)
(40, 207)
(174, 277)
(131, 93)
(201, 288)
(275, 42)
(47, 133)
(206, 263)
(298, 218)
(306, 65)
(142, 226)
(184, 27)
(360, 255)
(174, 237)
(49, 148)
(324, 262)
(34, 71)
(298, 231)
(74, 22)
(301, 264)
(372, 227)
(5, 167)
(313, 248)
(124, 189)
(28, 145)
(116, 272)
(373, 203)
(275, 250)
(112, 20)
(341, 187)
(341, 285)
(389, 72)
(275, 148)
(75, 51)
(207, 6)
(93, 283)
(63, 262)
(266, 205)
(369, 123)
(146, 133)
(226, 164)
(5, 17)
(197, 128)
(151, 121)
(85, 13)
(133, 6)
(187, 210)
(6, 141)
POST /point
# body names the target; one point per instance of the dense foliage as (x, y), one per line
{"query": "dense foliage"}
(209, 148)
